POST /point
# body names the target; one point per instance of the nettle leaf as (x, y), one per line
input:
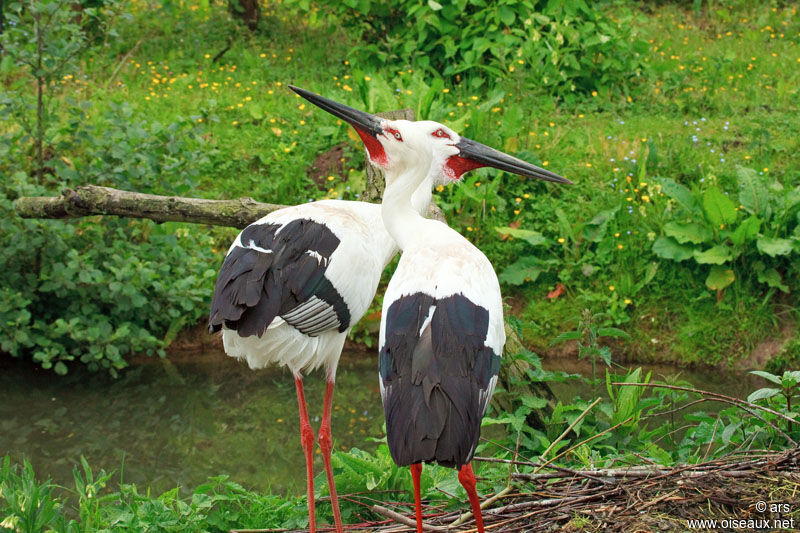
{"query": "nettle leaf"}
(753, 195)
(527, 267)
(762, 394)
(719, 209)
(692, 232)
(566, 336)
(767, 375)
(530, 236)
(667, 248)
(716, 255)
(746, 231)
(611, 332)
(719, 278)
(534, 402)
(681, 195)
(773, 246)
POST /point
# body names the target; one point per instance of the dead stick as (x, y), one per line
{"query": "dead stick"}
(466, 516)
(121, 63)
(397, 517)
(722, 397)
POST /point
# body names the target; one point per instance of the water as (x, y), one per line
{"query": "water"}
(199, 415)
(177, 423)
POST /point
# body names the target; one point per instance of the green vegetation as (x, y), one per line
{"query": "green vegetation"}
(678, 126)
(629, 426)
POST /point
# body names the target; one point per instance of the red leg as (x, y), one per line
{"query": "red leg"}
(326, 443)
(416, 471)
(307, 441)
(467, 478)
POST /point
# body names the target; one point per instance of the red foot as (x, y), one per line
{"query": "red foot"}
(467, 478)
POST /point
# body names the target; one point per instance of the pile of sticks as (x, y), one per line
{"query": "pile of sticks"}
(634, 498)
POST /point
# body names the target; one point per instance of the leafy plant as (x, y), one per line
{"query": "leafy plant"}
(713, 230)
(566, 47)
(788, 386)
(42, 37)
(587, 335)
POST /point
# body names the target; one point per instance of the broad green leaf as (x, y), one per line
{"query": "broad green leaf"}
(534, 402)
(595, 229)
(716, 255)
(256, 112)
(526, 267)
(773, 246)
(566, 336)
(762, 394)
(790, 378)
(667, 248)
(772, 278)
(719, 209)
(507, 15)
(530, 236)
(753, 195)
(767, 375)
(433, 4)
(719, 278)
(684, 232)
(729, 431)
(681, 195)
(746, 231)
(611, 332)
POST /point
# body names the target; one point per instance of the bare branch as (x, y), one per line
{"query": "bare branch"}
(96, 200)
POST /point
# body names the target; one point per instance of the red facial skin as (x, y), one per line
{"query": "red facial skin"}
(456, 166)
(375, 149)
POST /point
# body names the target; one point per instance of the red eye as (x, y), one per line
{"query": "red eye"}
(441, 134)
(394, 133)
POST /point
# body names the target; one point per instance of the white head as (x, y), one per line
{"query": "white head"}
(416, 150)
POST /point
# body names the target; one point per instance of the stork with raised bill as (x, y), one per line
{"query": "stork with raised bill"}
(442, 331)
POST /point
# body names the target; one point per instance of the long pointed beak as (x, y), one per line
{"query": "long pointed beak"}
(480, 155)
(361, 121)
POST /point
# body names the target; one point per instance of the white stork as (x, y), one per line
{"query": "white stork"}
(442, 331)
(293, 284)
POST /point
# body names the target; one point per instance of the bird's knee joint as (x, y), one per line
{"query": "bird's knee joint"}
(325, 440)
(306, 438)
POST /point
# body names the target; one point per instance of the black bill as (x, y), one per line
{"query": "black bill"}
(360, 120)
(487, 156)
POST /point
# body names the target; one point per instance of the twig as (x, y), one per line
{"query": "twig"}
(566, 431)
(122, 63)
(466, 516)
(716, 395)
(585, 441)
(397, 517)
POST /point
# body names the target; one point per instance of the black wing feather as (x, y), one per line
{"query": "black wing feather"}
(277, 270)
(435, 380)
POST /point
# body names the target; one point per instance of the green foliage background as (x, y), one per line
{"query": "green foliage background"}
(677, 126)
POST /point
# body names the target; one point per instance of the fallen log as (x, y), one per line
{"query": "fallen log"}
(95, 200)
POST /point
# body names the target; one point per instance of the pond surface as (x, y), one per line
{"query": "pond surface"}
(178, 422)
